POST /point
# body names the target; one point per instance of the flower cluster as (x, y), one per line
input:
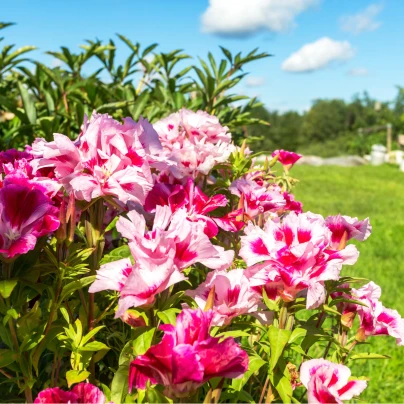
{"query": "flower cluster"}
(196, 258)
(195, 141)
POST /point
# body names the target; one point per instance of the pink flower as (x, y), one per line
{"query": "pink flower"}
(233, 295)
(294, 255)
(81, 393)
(258, 199)
(56, 395)
(360, 230)
(173, 244)
(187, 357)
(328, 382)
(195, 141)
(11, 156)
(286, 158)
(21, 171)
(88, 393)
(291, 204)
(108, 159)
(190, 197)
(374, 318)
(26, 213)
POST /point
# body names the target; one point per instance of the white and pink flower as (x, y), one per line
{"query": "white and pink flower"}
(197, 204)
(233, 295)
(161, 254)
(328, 382)
(351, 226)
(374, 318)
(294, 255)
(108, 159)
(258, 199)
(196, 141)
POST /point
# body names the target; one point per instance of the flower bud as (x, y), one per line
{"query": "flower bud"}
(347, 319)
(132, 318)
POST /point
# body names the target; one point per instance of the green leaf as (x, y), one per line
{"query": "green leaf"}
(29, 105)
(111, 225)
(271, 304)
(168, 316)
(296, 334)
(28, 323)
(76, 376)
(278, 339)
(90, 335)
(6, 287)
(76, 285)
(234, 334)
(143, 342)
(254, 364)
(116, 254)
(138, 107)
(7, 357)
(119, 386)
(284, 388)
(368, 356)
(329, 309)
(93, 346)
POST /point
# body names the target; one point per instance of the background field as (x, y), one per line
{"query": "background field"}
(378, 193)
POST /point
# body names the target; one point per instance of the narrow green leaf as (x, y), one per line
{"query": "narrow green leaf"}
(278, 339)
(6, 287)
(7, 357)
(296, 334)
(368, 356)
(76, 285)
(94, 346)
(119, 386)
(29, 105)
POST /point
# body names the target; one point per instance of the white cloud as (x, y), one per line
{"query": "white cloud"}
(318, 55)
(255, 81)
(245, 17)
(358, 72)
(363, 21)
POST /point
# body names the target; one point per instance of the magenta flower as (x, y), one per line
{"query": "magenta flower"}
(328, 382)
(258, 199)
(286, 158)
(187, 357)
(374, 318)
(354, 228)
(291, 204)
(173, 244)
(195, 141)
(81, 393)
(197, 204)
(56, 395)
(21, 172)
(233, 295)
(11, 156)
(26, 213)
(294, 256)
(108, 159)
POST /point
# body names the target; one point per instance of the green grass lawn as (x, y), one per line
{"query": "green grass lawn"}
(378, 193)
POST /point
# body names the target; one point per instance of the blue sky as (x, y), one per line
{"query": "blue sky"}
(363, 49)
